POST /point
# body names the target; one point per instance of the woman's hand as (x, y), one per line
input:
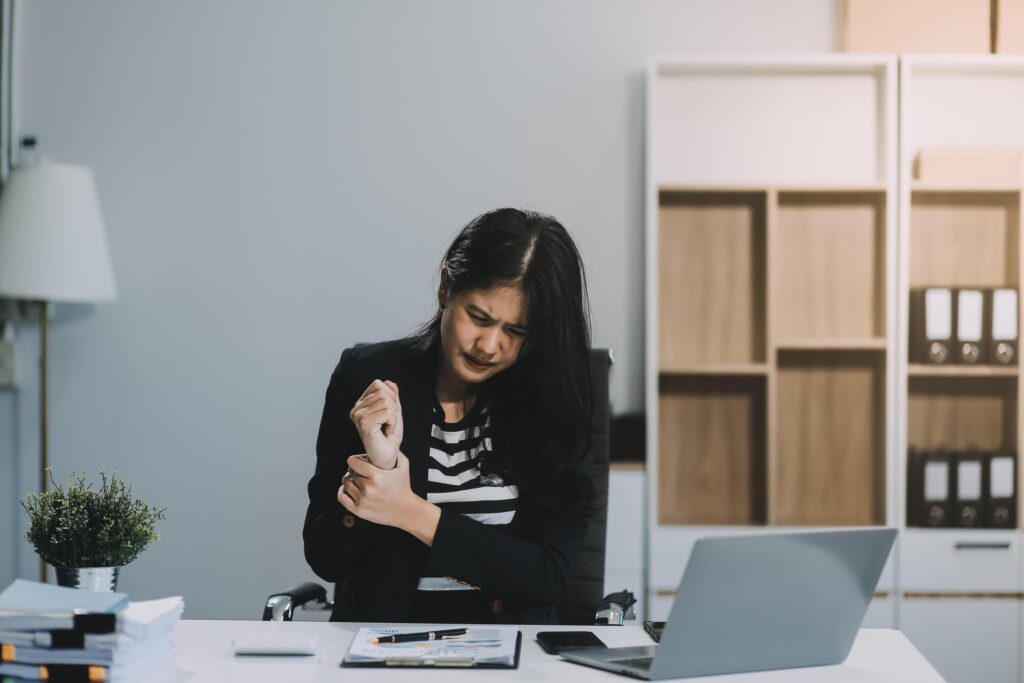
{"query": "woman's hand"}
(385, 497)
(377, 416)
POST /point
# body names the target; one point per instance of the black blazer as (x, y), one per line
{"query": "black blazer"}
(522, 567)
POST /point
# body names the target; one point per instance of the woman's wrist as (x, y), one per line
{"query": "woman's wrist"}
(420, 518)
(389, 465)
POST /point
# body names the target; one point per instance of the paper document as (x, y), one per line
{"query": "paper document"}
(482, 645)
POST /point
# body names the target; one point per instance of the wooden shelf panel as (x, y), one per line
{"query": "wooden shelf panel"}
(983, 188)
(722, 369)
(925, 370)
(829, 466)
(838, 344)
(964, 239)
(859, 188)
(829, 265)
(711, 458)
(962, 412)
(711, 279)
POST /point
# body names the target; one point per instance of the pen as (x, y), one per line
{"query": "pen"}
(426, 635)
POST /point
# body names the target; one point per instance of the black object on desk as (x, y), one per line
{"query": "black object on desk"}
(654, 629)
(554, 642)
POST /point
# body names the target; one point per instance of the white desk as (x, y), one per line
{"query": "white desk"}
(204, 656)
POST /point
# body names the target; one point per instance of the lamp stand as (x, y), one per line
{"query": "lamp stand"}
(44, 458)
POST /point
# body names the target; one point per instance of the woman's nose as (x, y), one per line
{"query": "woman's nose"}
(489, 341)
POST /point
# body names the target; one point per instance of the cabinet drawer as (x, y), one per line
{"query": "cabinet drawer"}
(966, 640)
(879, 613)
(625, 536)
(950, 561)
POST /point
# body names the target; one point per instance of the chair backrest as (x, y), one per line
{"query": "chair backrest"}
(585, 588)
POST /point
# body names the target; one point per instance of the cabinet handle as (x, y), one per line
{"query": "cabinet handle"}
(967, 545)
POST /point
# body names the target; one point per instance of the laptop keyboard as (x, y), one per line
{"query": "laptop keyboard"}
(636, 662)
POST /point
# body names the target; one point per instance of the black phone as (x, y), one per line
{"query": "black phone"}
(554, 642)
(654, 629)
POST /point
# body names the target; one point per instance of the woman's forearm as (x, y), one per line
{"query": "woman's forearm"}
(420, 518)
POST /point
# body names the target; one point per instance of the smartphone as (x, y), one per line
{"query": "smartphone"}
(554, 642)
(654, 629)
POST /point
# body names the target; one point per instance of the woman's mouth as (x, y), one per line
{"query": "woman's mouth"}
(475, 364)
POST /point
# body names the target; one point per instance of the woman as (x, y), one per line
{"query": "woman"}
(451, 482)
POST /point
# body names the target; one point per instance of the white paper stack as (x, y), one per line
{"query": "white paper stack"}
(62, 634)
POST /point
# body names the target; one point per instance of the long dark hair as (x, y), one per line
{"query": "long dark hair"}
(541, 406)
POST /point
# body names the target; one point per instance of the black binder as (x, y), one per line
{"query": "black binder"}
(915, 502)
(970, 506)
(1002, 490)
(932, 322)
(938, 479)
(1001, 326)
(970, 326)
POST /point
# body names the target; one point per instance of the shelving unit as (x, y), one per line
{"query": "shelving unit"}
(771, 258)
(960, 599)
(784, 234)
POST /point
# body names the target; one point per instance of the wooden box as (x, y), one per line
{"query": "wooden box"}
(969, 165)
(915, 25)
(1008, 26)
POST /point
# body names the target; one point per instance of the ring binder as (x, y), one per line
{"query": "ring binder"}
(1002, 308)
(931, 312)
(971, 480)
(1002, 490)
(939, 480)
(969, 326)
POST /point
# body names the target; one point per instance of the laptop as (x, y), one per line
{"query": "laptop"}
(753, 603)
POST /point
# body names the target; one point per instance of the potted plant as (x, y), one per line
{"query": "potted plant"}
(88, 534)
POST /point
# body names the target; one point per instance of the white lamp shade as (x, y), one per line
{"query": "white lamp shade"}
(53, 245)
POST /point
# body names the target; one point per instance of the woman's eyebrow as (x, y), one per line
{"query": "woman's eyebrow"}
(479, 311)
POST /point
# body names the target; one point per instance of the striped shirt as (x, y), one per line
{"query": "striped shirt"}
(462, 477)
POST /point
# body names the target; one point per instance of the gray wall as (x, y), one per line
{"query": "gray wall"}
(279, 180)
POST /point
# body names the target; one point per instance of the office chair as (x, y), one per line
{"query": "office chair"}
(581, 602)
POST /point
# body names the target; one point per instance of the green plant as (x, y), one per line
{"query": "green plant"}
(83, 527)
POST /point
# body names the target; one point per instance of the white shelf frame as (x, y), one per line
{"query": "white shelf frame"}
(883, 67)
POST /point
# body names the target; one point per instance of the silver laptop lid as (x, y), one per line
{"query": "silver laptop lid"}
(771, 601)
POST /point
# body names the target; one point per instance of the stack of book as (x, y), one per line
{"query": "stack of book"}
(51, 633)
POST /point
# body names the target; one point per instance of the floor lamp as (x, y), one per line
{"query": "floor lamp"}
(53, 248)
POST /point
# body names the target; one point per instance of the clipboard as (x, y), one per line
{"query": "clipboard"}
(470, 658)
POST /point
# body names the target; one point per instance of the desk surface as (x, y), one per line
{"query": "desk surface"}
(204, 655)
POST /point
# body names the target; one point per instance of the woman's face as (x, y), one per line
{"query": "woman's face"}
(482, 331)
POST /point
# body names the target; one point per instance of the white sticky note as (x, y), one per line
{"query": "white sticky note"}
(968, 480)
(938, 313)
(936, 481)
(968, 315)
(1001, 477)
(1004, 314)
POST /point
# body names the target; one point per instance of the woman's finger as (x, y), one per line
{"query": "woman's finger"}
(372, 415)
(353, 491)
(354, 478)
(345, 499)
(361, 467)
(368, 403)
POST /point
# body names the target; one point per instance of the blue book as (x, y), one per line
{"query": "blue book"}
(30, 605)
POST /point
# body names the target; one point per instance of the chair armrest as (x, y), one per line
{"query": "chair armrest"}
(281, 606)
(615, 608)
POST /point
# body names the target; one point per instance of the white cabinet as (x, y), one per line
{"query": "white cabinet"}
(624, 549)
(966, 640)
(951, 561)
